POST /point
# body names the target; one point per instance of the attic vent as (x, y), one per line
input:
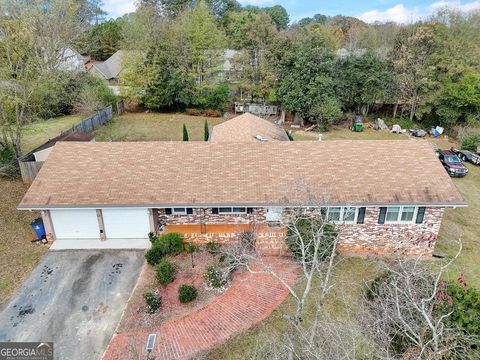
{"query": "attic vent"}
(260, 138)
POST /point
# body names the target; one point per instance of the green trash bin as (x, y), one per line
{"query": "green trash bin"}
(358, 124)
(358, 127)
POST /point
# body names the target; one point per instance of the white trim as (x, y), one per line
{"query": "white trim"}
(399, 216)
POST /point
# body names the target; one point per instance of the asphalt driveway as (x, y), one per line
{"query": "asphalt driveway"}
(73, 298)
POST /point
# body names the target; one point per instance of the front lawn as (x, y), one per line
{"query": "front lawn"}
(18, 256)
(35, 134)
(154, 127)
(464, 223)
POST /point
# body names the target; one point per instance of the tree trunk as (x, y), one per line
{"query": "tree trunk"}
(414, 105)
(395, 108)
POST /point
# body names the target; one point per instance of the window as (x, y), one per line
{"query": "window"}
(342, 214)
(349, 214)
(392, 213)
(407, 213)
(334, 214)
(232, 210)
(400, 214)
(179, 211)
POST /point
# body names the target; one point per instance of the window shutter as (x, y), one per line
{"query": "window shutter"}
(382, 215)
(189, 211)
(249, 210)
(361, 215)
(168, 211)
(420, 215)
(214, 210)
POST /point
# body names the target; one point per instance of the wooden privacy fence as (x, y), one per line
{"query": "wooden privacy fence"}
(94, 121)
(29, 167)
(29, 170)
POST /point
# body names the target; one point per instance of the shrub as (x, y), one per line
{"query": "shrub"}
(187, 293)
(165, 272)
(471, 142)
(172, 242)
(214, 277)
(169, 243)
(193, 112)
(464, 303)
(154, 254)
(185, 133)
(152, 237)
(212, 113)
(212, 247)
(153, 301)
(307, 229)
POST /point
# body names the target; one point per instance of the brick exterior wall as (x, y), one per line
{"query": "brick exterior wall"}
(407, 239)
(369, 238)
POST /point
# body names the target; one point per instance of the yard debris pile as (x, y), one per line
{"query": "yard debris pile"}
(380, 125)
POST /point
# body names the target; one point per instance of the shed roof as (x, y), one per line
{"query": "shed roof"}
(283, 173)
(246, 128)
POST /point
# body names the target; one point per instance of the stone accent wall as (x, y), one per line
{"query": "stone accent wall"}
(406, 239)
(207, 217)
(369, 238)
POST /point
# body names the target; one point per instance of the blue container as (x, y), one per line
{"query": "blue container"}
(39, 228)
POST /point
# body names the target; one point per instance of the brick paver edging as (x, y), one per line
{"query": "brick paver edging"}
(249, 300)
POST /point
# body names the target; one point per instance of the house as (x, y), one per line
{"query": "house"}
(109, 69)
(390, 195)
(71, 60)
(246, 128)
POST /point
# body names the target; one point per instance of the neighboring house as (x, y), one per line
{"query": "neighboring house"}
(390, 195)
(71, 60)
(245, 128)
(109, 69)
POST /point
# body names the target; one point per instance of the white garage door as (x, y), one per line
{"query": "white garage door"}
(75, 224)
(126, 223)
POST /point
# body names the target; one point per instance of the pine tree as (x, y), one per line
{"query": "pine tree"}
(206, 134)
(185, 133)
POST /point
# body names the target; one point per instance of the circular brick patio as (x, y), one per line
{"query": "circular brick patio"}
(249, 300)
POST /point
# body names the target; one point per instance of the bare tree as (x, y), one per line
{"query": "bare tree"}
(404, 313)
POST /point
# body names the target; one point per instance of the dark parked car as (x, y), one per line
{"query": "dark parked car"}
(452, 163)
(469, 156)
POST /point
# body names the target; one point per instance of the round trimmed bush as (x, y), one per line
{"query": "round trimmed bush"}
(154, 254)
(169, 243)
(187, 293)
(165, 272)
(214, 277)
(153, 301)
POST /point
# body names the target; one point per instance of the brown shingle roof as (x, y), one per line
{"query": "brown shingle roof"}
(272, 173)
(245, 128)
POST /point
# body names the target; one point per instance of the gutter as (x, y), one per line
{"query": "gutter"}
(254, 205)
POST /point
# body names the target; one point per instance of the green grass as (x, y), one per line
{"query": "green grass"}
(464, 223)
(18, 255)
(349, 278)
(154, 127)
(37, 133)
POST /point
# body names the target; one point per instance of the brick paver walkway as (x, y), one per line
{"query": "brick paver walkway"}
(250, 299)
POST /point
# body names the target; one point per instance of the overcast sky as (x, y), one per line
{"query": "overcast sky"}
(369, 11)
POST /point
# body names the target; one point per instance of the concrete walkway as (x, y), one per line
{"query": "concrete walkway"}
(249, 300)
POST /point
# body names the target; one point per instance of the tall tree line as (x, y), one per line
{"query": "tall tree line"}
(319, 68)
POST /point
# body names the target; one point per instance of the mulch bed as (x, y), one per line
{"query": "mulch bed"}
(136, 317)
